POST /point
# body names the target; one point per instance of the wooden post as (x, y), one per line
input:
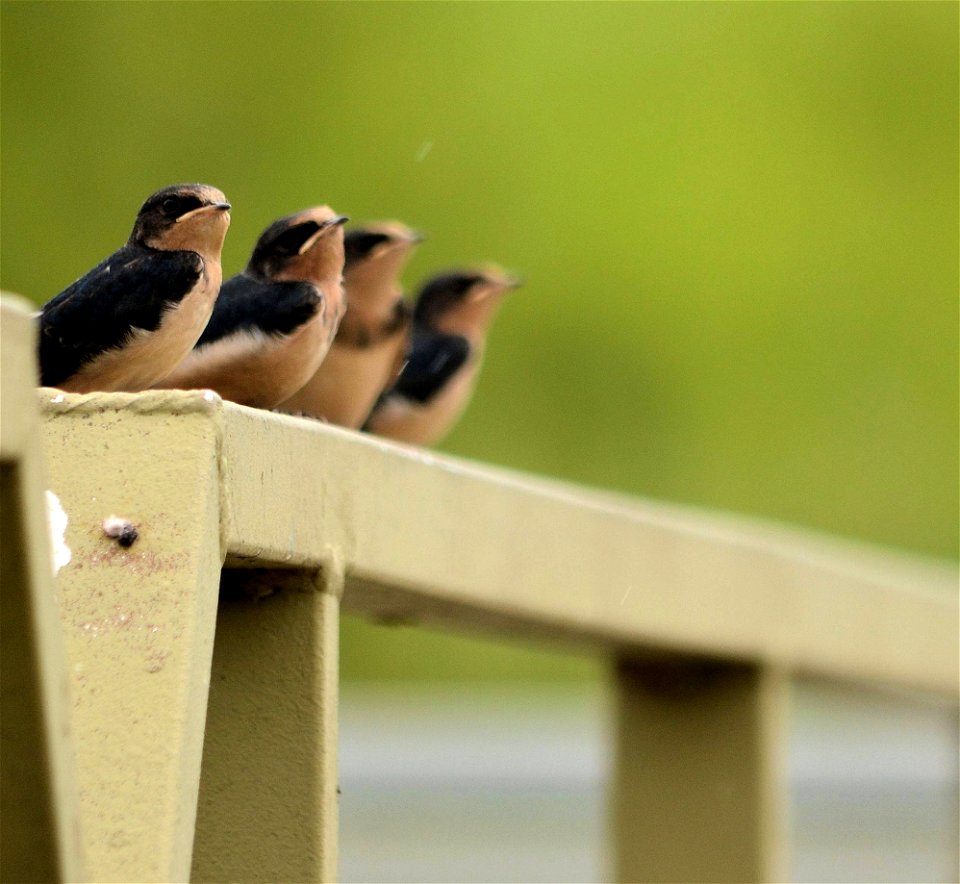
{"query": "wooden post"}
(268, 791)
(700, 784)
(39, 815)
(138, 621)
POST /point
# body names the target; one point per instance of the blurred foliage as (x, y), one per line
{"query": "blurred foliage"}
(738, 222)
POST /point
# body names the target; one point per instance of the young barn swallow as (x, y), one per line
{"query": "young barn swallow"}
(372, 340)
(450, 324)
(273, 323)
(129, 321)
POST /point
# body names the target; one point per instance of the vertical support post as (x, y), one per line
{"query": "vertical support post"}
(138, 621)
(268, 791)
(700, 791)
(39, 815)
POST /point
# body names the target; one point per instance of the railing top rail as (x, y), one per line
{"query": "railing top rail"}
(424, 537)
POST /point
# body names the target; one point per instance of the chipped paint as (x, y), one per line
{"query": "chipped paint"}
(57, 522)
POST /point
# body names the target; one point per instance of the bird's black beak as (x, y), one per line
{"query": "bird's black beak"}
(507, 281)
(202, 210)
(322, 228)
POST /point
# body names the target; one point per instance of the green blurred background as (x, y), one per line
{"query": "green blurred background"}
(738, 224)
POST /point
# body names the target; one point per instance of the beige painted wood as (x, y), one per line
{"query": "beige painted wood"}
(429, 538)
(39, 815)
(699, 782)
(268, 791)
(426, 538)
(138, 622)
(18, 378)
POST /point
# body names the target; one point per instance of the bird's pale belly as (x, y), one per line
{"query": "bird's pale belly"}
(427, 423)
(347, 384)
(254, 368)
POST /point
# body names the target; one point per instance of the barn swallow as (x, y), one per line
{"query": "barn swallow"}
(450, 323)
(129, 321)
(372, 340)
(274, 322)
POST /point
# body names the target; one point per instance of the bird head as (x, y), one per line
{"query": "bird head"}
(464, 301)
(375, 257)
(188, 217)
(307, 245)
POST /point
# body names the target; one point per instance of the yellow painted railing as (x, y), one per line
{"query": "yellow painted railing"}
(197, 735)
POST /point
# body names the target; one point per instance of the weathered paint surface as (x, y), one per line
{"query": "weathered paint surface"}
(39, 813)
(138, 622)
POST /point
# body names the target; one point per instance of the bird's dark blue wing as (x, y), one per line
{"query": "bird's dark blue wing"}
(433, 359)
(247, 303)
(130, 289)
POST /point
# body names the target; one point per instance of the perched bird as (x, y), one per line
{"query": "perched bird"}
(372, 340)
(274, 322)
(129, 321)
(450, 324)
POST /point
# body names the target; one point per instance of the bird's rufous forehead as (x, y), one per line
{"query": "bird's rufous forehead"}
(205, 192)
(495, 276)
(320, 214)
(397, 231)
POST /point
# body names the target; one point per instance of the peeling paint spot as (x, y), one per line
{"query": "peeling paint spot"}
(209, 395)
(57, 522)
(58, 399)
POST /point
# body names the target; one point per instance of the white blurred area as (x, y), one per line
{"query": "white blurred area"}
(492, 782)
(873, 787)
(472, 782)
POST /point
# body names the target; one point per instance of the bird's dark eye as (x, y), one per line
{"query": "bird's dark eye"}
(175, 206)
(359, 243)
(462, 283)
(291, 241)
